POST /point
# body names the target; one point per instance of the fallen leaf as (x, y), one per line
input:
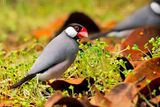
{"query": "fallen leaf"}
(140, 37)
(70, 102)
(155, 100)
(99, 99)
(112, 40)
(152, 85)
(6, 102)
(86, 102)
(50, 29)
(149, 69)
(136, 63)
(59, 100)
(123, 95)
(53, 99)
(79, 84)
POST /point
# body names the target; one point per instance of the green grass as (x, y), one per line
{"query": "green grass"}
(93, 62)
(14, 66)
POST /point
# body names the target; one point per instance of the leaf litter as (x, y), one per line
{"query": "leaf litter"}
(125, 94)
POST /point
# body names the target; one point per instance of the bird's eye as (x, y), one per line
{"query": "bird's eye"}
(76, 28)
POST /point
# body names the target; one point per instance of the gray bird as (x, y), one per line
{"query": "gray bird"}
(57, 56)
(148, 15)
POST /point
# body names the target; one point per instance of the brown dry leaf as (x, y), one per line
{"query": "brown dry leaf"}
(70, 102)
(99, 99)
(53, 99)
(152, 85)
(149, 69)
(155, 100)
(79, 84)
(50, 29)
(135, 63)
(4, 104)
(6, 100)
(85, 100)
(123, 95)
(111, 41)
(139, 36)
(58, 100)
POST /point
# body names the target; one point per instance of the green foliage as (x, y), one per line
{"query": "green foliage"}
(13, 66)
(135, 47)
(96, 62)
(155, 42)
(92, 61)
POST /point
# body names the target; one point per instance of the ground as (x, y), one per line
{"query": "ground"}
(19, 48)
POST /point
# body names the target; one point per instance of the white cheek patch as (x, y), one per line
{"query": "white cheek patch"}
(71, 32)
(155, 7)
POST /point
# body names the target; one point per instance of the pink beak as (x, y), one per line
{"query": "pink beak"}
(83, 33)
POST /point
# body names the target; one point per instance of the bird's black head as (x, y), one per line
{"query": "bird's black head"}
(76, 30)
(157, 1)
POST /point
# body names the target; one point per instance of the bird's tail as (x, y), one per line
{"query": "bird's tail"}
(23, 80)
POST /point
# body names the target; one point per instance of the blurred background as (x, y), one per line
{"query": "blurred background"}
(22, 20)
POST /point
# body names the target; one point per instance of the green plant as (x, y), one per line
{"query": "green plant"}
(155, 42)
(96, 62)
(14, 65)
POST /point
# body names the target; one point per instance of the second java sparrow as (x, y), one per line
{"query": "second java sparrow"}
(148, 15)
(57, 56)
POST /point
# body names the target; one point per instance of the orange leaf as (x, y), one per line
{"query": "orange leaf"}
(139, 36)
(149, 69)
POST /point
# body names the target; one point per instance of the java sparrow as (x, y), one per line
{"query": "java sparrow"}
(149, 15)
(57, 56)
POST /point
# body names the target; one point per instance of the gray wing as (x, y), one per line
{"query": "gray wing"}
(52, 54)
(144, 16)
